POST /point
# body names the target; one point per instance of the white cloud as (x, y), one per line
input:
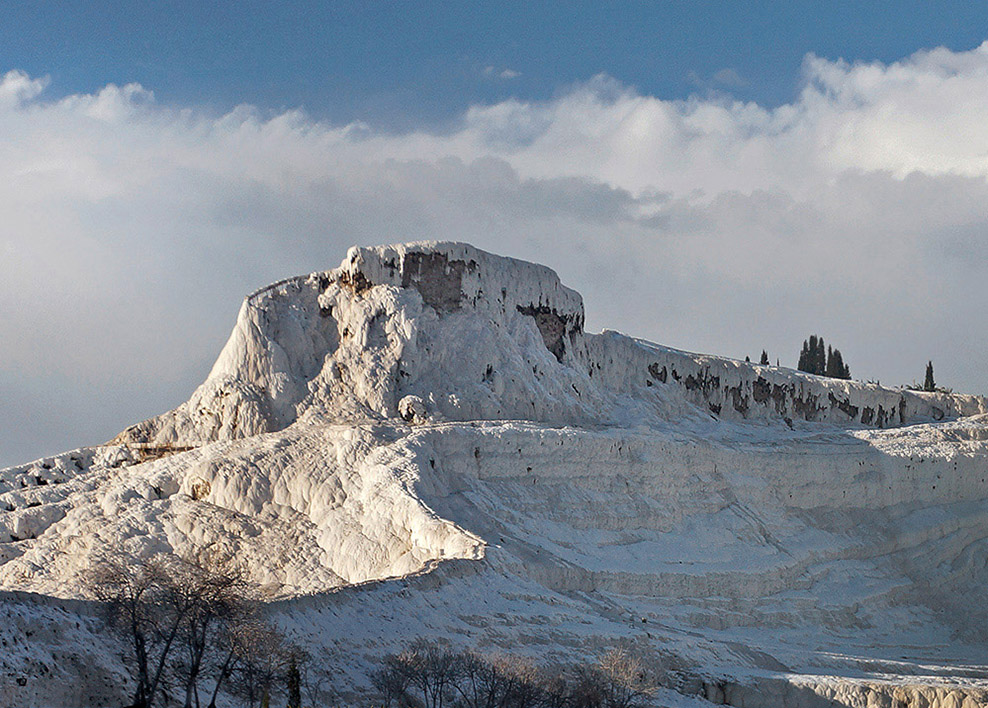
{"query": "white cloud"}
(493, 72)
(16, 87)
(130, 231)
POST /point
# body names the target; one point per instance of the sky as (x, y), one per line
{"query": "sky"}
(719, 177)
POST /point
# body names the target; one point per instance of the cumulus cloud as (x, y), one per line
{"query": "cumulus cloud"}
(16, 87)
(132, 230)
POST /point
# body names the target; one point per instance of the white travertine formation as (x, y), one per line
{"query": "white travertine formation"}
(435, 418)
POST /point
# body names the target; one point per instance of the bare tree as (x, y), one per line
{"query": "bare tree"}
(501, 681)
(263, 659)
(587, 688)
(213, 594)
(437, 669)
(428, 668)
(555, 689)
(431, 675)
(196, 618)
(393, 679)
(625, 681)
(479, 686)
(228, 645)
(142, 603)
(522, 681)
(314, 686)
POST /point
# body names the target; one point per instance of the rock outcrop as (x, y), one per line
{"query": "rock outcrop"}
(455, 326)
(425, 441)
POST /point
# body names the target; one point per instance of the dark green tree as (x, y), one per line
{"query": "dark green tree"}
(929, 384)
(294, 684)
(836, 368)
(816, 357)
(804, 358)
(764, 360)
(813, 357)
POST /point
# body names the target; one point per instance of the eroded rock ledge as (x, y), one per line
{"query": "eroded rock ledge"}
(804, 692)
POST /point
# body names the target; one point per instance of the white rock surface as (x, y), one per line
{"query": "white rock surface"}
(434, 417)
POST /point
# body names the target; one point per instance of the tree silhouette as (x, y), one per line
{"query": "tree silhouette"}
(804, 358)
(813, 357)
(836, 368)
(929, 384)
(816, 357)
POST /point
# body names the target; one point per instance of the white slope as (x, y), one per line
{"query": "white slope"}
(434, 416)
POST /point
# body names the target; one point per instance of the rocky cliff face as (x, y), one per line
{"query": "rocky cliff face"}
(424, 441)
(457, 328)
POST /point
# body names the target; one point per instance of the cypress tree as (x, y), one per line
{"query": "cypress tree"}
(764, 360)
(929, 384)
(804, 358)
(836, 368)
(294, 685)
(817, 357)
(813, 357)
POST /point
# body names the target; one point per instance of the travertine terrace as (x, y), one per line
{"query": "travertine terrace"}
(426, 442)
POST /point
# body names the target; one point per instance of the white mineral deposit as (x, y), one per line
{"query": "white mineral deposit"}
(424, 441)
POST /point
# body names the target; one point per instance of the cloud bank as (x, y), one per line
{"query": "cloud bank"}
(859, 211)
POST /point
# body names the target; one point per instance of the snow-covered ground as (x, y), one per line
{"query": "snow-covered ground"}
(424, 442)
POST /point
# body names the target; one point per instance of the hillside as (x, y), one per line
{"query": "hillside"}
(426, 442)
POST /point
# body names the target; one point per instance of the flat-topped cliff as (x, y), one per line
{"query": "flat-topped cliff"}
(460, 330)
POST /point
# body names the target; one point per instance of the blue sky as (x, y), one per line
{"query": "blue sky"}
(402, 65)
(717, 177)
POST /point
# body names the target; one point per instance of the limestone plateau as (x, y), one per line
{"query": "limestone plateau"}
(424, 442)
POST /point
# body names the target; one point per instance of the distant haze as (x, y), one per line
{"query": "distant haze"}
(130, 230)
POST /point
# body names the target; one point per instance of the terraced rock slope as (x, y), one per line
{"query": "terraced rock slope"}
(424, 441)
